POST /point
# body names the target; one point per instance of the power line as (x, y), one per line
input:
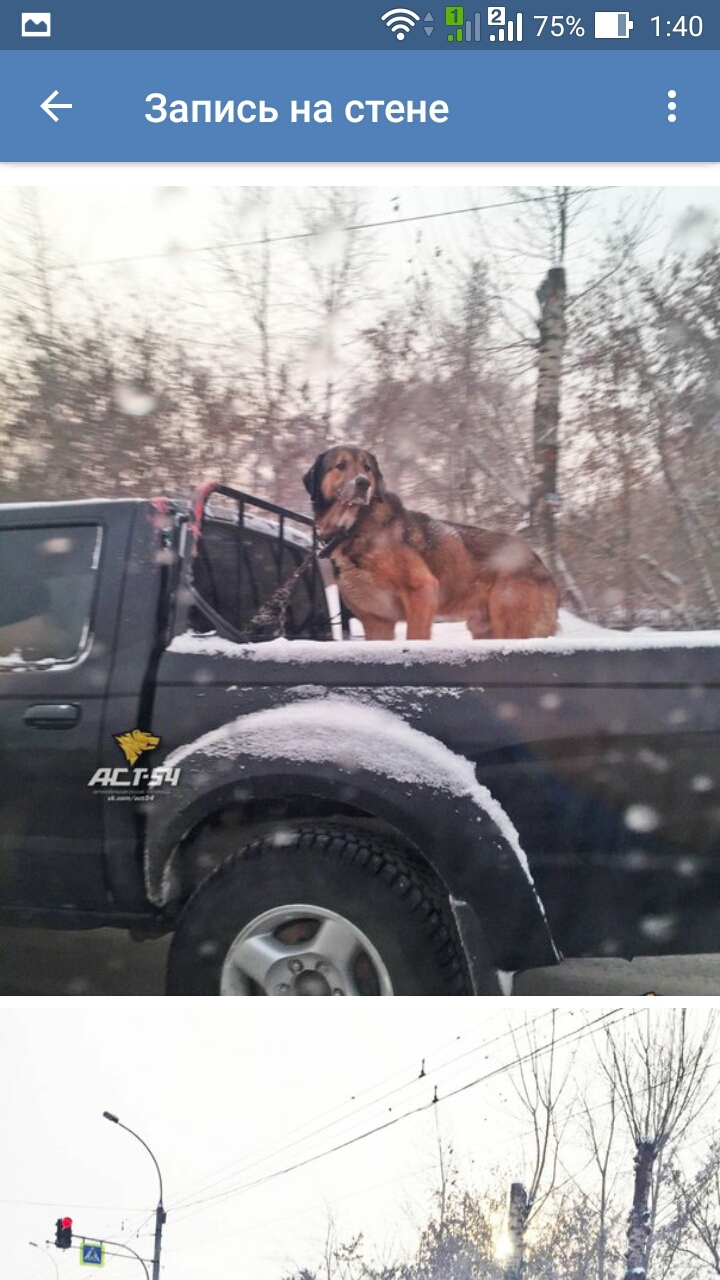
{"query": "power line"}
(569, 1038)
(266, 1154)
(191, 1207)
(246, 1165)
(348, 1111)
(588, 1029)
(297, 235)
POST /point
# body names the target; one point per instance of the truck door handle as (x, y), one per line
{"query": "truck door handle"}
(52, 715)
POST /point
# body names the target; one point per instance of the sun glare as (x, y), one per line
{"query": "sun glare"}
(503, 1248)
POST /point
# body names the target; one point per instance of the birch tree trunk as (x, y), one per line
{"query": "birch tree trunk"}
(659, 1072)
(518, 1214)
(553, 333)
(639, 1232)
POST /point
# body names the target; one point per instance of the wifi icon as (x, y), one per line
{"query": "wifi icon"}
(400, 21)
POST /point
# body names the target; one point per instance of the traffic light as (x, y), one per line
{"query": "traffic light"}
(63, 1233)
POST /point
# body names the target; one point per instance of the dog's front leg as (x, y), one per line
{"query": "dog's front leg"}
(377, 628)
(420, 605)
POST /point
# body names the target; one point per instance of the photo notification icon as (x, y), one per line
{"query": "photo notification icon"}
(35, 24)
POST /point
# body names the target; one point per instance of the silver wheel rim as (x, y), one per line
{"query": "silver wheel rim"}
(302, 950)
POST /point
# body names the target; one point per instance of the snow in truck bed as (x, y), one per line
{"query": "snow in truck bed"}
(450, 643)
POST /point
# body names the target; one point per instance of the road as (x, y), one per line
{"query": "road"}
(107, 962)
(665, 976)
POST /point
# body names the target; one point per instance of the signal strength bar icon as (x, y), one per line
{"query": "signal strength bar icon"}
(502, 29)
(462, 29)
(400, 21)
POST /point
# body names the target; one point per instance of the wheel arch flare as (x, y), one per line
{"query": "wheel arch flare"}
(369, 757)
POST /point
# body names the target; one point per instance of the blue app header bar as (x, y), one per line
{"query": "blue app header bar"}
(380, 24)
(263, 106)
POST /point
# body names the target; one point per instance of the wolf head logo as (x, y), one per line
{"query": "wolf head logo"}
(135, 743)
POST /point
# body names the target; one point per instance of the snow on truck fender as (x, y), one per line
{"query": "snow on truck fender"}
(336, 747)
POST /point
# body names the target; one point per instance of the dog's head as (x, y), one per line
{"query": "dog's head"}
(345, 477)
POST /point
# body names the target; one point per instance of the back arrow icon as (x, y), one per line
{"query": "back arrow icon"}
(49, 103)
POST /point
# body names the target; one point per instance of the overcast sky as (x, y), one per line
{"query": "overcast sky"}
(121, 241)
(132, 257)
(226, 1096)
(118, 220)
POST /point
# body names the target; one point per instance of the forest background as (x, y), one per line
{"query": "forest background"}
(261, 325)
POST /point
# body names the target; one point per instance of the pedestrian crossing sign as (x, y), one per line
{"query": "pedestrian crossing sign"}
(92, 1254)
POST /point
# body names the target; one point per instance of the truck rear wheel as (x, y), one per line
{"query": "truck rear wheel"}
(317, 911)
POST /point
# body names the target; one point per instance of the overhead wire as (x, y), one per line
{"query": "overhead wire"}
(182, 1207)
(534, 1052)
(181, 250)
(348, 1112)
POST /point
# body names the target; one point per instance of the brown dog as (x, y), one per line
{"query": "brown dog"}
(394, 564)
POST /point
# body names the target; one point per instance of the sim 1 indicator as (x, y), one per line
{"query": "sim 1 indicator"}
(454, 18)
(467, 29)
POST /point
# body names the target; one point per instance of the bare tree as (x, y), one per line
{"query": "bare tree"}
(601, 1139)
(457, 1241)
(337, 257)
(688, 1242)
(660, 1072)
(249, 267)
(539, 1084)
(341, 1259)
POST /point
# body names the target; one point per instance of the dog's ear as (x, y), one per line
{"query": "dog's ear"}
(380, 489)
(313, 478)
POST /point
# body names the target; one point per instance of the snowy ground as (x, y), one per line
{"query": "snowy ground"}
(107, 962)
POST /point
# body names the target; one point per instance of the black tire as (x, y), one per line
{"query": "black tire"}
(392, 926)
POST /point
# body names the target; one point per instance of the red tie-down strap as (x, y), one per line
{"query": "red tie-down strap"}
(199, 502)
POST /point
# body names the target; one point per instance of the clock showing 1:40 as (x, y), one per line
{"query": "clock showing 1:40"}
(682, 26)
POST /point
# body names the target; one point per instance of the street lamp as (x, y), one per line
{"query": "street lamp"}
(160, 1214)
(47, 1251)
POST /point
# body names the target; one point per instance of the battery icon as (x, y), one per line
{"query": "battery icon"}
(613, 26)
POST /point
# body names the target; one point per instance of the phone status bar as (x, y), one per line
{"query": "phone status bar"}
(326, 24)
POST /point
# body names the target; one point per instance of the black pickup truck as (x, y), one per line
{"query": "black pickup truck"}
(311, 814)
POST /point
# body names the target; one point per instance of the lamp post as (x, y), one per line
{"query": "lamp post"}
(160, 1214)
(47, 1251)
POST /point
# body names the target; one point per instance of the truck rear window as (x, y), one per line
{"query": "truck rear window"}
(241, 561)
(237, 573)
